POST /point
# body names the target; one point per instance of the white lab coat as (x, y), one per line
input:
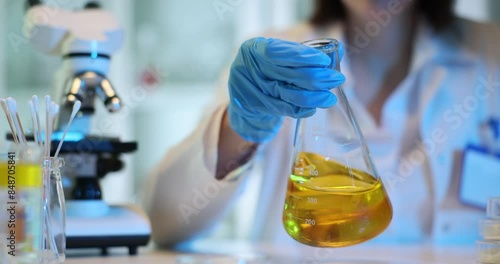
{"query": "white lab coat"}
(414, 149)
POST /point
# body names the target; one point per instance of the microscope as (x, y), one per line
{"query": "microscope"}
(86, 39)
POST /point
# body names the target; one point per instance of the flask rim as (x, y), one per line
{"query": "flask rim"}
(327, 45)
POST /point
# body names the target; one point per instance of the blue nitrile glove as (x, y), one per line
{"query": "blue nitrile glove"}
(272, 78)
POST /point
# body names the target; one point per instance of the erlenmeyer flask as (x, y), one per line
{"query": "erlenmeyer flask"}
(334, 197)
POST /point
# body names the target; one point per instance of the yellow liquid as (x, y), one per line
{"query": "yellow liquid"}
(21, 192)
(25, 175)
(331, 205)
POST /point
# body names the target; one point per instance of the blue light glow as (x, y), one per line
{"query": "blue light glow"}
(94, 53)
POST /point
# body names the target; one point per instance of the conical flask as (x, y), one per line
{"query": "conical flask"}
(334, 196)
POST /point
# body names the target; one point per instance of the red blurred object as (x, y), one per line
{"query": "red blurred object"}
(151, 77)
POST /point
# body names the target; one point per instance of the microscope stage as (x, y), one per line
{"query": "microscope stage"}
(121, 226)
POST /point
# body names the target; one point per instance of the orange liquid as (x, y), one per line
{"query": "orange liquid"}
(331, 205)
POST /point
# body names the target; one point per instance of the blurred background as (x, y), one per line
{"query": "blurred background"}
(174, 53)
(173, 50)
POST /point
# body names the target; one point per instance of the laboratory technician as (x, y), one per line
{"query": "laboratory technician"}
(422, 83)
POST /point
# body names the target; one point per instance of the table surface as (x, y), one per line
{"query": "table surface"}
(226, 252)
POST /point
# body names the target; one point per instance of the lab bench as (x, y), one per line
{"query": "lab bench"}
(226, 252)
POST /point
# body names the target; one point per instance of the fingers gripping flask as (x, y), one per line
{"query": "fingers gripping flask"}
(334, 196)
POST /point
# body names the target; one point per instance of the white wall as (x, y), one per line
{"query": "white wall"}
(479, 10)
(475, 10)
(257, 16)
(166, 117)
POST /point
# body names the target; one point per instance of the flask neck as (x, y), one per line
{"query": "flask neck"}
(330, 47)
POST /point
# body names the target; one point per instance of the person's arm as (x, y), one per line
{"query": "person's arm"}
(233, 150)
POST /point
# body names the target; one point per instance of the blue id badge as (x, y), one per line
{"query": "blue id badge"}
(480, 177)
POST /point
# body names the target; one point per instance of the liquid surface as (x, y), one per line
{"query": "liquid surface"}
(331, 205)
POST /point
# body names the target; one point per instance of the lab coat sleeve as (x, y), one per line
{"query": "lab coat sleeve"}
(181, 196)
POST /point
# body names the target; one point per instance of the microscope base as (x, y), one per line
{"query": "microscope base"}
(105, 242)
(122, 226)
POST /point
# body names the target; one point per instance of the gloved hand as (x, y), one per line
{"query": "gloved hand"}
(272, 78)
